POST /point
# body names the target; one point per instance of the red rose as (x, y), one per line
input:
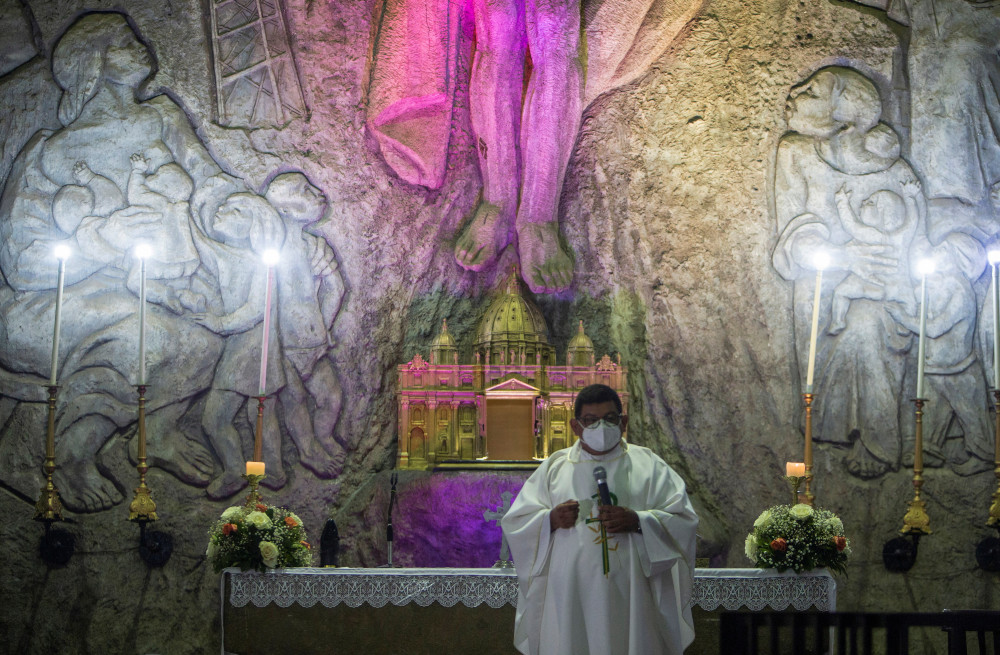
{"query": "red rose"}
(261, 507)
(290, 522)
(306, 544)
(228, 529)
(779, 544)
(840, 542)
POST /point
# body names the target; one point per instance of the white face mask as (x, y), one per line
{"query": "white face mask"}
(602, 436)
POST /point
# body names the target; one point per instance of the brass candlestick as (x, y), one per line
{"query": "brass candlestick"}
(142, 507)
(796, 482)
(916, 522)
(994, 516)
(253, 498)
(49, 507)
(807, 398)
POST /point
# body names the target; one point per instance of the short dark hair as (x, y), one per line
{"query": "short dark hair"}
(594, 394)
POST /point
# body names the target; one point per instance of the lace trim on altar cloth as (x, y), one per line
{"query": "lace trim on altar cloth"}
(375, 587)
(730, 589)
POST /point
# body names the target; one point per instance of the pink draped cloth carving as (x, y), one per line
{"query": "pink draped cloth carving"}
(412, 84)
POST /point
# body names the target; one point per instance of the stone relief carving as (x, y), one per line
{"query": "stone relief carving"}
(158, 183)
(840, 186)
(525, 133)
(953, 75)
(255, 76)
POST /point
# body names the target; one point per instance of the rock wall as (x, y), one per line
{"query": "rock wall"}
(690, 207)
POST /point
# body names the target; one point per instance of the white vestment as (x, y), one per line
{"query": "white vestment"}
(566, 605)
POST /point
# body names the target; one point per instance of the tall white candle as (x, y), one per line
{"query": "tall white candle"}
(994, 257)
(142, 251)
(270, 259)
(926, 268)
(61, 252)
(821, 262)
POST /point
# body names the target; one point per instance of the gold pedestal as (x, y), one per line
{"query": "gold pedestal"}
(142, 507)
(49, 507)
(807, 399)
(916, 521)
(994, 515)
(796, 482)
(253, 498)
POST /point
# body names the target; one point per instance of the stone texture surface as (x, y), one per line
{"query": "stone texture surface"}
(668, 207)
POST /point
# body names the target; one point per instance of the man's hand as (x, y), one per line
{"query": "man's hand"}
(564, 515)
(618, 519)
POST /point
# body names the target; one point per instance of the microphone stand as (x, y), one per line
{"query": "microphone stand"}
(393, 479)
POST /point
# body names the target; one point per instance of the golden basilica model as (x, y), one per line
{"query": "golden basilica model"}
(511, 407)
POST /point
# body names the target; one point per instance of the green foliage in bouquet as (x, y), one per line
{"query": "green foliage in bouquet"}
(799, 538)
(258, 537)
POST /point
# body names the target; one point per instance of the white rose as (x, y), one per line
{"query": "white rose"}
(259, 520)
(269, 552)
(763, 520)
(837, 525)
(801, 511)
(230, 513)
(751, 548)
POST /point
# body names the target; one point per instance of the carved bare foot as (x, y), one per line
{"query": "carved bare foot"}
(82, 488)
(483, 239)
(320, 461)
(972, 466)
(225, 485)
(173, 452)
(546, 267)
(275, 478)
(863, 464)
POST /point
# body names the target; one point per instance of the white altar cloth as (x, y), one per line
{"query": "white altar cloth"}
(728, 589)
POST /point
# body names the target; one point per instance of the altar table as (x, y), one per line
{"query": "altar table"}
(433, 611)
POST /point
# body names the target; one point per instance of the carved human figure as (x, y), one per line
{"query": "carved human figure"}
(955, 385)
(310, 290)
(885, 219)
(99, 64)
(524, 134)
(837, 143)
(953, 75)
(238, 234)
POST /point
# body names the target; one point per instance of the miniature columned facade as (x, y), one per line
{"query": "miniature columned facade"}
(511, 407)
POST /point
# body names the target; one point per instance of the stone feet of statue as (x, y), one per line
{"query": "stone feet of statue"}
(275, 478)
(483, 239)
(545, 266)
(862, 463)
(326, 461)
(171, 451)
(225, 484)
(972, 466)
(82, 488)
(933, 458)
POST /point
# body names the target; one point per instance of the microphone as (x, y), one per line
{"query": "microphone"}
(602, 485)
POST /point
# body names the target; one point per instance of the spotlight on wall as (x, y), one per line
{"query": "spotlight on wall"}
(900, 554)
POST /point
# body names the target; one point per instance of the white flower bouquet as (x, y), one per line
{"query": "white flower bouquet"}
(258, 537)
(798, 537)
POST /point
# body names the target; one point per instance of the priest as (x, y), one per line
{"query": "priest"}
(605, 564)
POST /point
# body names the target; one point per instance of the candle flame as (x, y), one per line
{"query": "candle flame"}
(822, 260)
(994, 257)
(62, 251)
(142, 251)
(270, 257)
(925, 266)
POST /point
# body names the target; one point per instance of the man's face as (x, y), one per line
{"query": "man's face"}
(591, 413)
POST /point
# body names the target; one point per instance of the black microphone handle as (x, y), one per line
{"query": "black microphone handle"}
(602, 489)
(388, 533)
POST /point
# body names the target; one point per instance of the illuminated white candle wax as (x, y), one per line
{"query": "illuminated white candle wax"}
(925, 267)
(994, 257)
(820, 262)
(62, 253)
(270, 258)
(142, 251)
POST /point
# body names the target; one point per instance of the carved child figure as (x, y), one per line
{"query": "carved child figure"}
(888, 220)
(310, 290)
(158, 214)
(954, 377)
